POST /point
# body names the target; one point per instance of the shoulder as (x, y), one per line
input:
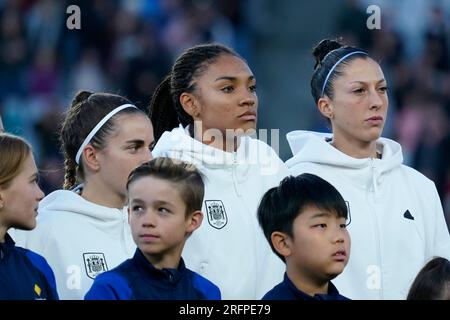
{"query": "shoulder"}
(40, 263)
(109, 285)
(279, 292)
(206, 287)
(416, 180)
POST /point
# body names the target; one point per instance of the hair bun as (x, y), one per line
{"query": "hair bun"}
(80, 97)
(323, 48)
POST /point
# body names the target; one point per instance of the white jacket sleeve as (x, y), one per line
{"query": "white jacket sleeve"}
(440, 243)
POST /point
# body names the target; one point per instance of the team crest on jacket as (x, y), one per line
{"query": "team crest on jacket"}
(217, 216)
(95, 263)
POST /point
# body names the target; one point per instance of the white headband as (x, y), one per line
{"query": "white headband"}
(98, 127)
(335, 65)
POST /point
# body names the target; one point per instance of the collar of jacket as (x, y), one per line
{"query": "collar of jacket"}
(166, 275)
(6, 247)
(315, 148)
(332, 294)
(179, 144)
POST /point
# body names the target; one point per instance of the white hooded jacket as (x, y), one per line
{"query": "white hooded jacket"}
(397, 223)
(79, 239)
(229, 248)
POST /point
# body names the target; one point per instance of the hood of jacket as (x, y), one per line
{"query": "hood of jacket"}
(71, 202)
(179, 144)
(314, 148)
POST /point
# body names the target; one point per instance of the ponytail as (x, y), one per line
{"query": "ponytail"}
(70, 174)
(162, 110)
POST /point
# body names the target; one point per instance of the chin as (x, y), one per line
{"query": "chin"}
(246, 130)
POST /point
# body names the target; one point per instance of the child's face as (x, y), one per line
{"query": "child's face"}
(157, 218)
(19, 202)
(320, 246)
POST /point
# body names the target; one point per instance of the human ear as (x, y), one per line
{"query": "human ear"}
(325, 107)
(190, 104)
(194, 221)
(2, 199)
(280, 242)
(90, 159)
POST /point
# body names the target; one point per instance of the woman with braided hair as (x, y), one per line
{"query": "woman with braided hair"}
(203, 112)
(83, 229)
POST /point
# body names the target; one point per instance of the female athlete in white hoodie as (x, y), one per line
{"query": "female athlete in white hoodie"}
(397, 223)
(214, 87)
(83, 231)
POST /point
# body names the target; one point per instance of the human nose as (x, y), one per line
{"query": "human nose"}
(375, 100)
(39, 194)
(248, 99)
(146, 156)
(339, 235)
(149, 219)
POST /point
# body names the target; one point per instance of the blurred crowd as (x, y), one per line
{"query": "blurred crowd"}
(127, 47)
(124, 47)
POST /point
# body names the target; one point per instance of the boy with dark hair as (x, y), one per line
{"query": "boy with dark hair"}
(304, 220)
(165, 198)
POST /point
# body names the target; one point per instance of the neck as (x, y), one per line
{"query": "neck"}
(163, 260)
(355, 149)
(306, 281)
(3, 230)
(217, 138)
(96, 192)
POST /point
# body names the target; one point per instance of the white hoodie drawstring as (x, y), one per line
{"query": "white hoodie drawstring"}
(374, 177)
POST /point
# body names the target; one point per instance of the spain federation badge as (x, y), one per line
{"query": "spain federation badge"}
(217, 216)
(95, 263)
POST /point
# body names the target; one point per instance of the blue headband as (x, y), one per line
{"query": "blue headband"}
(335, 65)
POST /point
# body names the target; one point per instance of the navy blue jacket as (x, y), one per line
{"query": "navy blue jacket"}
(286, 290)
(24, 275)
(138, 279)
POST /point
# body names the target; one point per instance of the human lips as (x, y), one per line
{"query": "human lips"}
(375, 120)
(148, 237)
(340, 255)
(248, 116)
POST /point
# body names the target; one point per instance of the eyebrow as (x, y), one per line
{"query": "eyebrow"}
(364, 82)
(320, 215)
(162, 203)
(34, 175)
(137, 201)
(232, 78)
(136, 141)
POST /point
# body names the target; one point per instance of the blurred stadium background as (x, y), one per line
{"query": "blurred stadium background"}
(126, 47)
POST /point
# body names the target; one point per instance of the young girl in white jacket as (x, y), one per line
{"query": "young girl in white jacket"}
(397, 222)
(211, 86)
(83, 231)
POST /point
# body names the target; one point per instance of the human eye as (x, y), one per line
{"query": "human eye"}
(253, 88)
(151, 146)
(163, 210)
(227, 89)
(383, 89)
(35, 180)
(137, 209)
(359, 91)
(343, 226)
(320, 226)
(133, 148)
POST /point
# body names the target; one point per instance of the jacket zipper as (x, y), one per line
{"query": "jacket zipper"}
(233, 175)
(373, 195)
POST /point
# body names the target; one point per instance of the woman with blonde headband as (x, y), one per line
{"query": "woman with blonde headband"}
(82, 230)
(397, 223)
